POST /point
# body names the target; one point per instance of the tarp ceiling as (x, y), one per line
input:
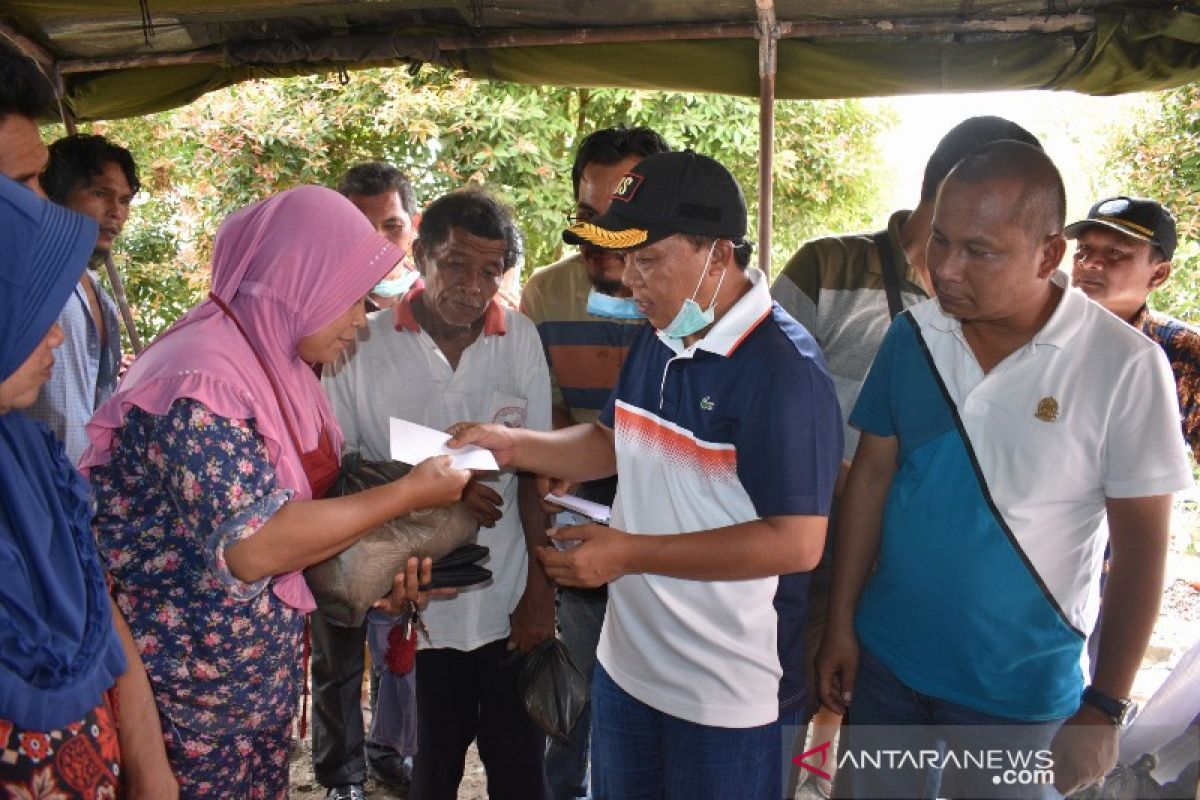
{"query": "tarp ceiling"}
(126, 57)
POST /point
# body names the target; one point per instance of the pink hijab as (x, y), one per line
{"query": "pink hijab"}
(287, 267)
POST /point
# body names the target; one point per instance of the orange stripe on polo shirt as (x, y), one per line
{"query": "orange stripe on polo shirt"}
(660, 439)
(749, 331)
(587, 366)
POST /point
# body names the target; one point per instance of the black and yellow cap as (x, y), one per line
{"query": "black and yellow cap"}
(665, 194)
(1133, 216)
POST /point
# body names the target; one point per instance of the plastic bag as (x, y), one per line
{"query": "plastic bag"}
(346, 585)
(1132, 782)
(553, 689)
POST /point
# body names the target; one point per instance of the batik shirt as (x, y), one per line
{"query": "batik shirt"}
(223, 655)
(1181, 343)
(80, 761)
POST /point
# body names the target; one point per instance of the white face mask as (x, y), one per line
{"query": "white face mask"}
(691, 318)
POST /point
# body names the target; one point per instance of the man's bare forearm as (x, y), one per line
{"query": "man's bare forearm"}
(534, 522)
(578, 453)
(859, 524)
(755, 549)
(1139, 532)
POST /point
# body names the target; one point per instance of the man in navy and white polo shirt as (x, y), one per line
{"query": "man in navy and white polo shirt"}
(725, 430)
(1000, 423)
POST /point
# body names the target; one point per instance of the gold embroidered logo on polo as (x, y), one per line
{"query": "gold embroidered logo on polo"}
(614, 240)
(1047, 409)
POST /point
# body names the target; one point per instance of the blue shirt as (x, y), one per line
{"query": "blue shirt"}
(989, 551)
(84, 373)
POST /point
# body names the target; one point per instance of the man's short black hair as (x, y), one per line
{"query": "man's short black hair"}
(376, 177)
(610, 145)
(964, 139)
(1044, 201)
(476, 212)
(75, 160)
(24, 90)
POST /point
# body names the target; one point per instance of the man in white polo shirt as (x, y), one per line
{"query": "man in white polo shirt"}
(725, 431)
(445, 352)
(1000, 422)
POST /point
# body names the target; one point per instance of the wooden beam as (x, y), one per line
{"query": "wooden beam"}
(209, 56)
(874, 29)
(768, 46)
(118, 287)
(27, 46)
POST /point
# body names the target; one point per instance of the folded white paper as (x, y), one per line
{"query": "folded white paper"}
(596, 511)
(413, 443)
(566, 544)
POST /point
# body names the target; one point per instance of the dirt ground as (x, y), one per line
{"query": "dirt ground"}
(1177, 630)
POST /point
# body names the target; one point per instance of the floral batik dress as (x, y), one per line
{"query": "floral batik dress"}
(80, 760)
(224, 656)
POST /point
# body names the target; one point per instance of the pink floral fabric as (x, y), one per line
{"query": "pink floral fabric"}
(246, 766)
(224, 656)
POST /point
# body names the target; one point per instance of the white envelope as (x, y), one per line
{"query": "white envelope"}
(595, 511)
(413, 443)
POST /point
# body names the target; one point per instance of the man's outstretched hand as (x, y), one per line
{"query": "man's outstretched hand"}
(499, 439)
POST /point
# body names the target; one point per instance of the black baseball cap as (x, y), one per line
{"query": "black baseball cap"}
(1133, 216)
(665, 194)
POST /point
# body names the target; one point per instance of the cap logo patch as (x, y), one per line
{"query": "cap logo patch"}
(628, 187)
(1113, 207)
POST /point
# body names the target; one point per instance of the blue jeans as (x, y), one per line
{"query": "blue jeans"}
(580, 617)
(640, 753)
(886, 715)
(394, 725)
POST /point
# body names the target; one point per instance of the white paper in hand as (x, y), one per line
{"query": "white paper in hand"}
(413, 443)
(595, 511)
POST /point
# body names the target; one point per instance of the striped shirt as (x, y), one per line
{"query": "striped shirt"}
(84, 373)
(834, 288)
(585, 352)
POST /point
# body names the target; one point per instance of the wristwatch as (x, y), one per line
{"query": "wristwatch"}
(1119, 711)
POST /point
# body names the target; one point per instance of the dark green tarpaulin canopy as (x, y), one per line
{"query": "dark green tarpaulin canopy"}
(119, 58)
(125, 57)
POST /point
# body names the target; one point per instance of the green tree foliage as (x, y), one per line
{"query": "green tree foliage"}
(1159, 157)
(241, 144)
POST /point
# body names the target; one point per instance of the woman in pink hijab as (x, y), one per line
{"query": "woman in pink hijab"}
(205, 467)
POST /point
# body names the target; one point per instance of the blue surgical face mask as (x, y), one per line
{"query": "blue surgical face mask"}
(393, 287)
(691, 318)
(605, 305)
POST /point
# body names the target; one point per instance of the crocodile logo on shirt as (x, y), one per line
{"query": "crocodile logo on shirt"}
(706, 403)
